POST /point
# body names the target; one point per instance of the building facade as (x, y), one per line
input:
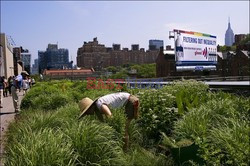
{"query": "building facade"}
(22, 60)
(18, 64)
(234, 63)
(26, 60)
(239, 37)
(34, 69)
(229, 36)
(1, 61)
(68, 74)
(97, 56)
(93, 55)
(53, 58)
(155, 44)
(7, 63)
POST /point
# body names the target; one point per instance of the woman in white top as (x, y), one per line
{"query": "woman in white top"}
(103, 105)
(25, 86)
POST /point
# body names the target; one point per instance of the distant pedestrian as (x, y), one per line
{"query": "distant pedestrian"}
(41, 77)
(33, 81)
(5, 87)
(10, 82)
(17, 84)
(29, 81)
(1, 91)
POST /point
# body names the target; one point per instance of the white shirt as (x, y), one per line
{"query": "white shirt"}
(25, 84)
(114, 100)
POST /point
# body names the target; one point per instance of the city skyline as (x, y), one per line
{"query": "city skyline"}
(33, 25)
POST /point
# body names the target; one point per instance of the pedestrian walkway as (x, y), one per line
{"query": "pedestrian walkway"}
(7, 115)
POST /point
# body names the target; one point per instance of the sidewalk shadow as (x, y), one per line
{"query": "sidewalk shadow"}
(5, 113)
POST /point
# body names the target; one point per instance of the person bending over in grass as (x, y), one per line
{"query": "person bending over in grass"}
(103, 105)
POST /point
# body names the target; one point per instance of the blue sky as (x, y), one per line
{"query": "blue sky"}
(35, 24)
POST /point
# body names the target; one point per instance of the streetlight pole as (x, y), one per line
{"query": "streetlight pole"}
(71, 71)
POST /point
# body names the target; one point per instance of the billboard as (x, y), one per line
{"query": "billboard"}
(195, 49)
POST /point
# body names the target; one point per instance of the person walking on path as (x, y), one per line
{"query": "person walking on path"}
(33, 82)
(5, 87)
(17, 84)
(10, 82)
(1, 91)
(103, 105)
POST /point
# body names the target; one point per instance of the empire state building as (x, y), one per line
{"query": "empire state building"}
(229, 36)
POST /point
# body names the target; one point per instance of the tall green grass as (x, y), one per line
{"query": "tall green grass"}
(48, 131)
(95, 143)
(43, 147)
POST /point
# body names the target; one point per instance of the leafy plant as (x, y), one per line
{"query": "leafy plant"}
(156, 113)
(219, 131)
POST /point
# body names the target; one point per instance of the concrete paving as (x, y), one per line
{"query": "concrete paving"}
(7, 115)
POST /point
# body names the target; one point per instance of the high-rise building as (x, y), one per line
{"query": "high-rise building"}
(155, 44)
(229, 36)
(26, 60)
(35, 67)
(53, 58)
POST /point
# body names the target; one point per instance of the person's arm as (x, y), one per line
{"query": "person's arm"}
(105, 109)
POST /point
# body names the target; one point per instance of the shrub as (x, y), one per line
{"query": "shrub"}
(35, 92)
(227, 144)
(189, 94)
(218, 129)
(49, 102)
(156, 113)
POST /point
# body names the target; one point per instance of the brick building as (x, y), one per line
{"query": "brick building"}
(234, 64)
(68, 73)
(97, 56)
(93, 54)
(17, 60)
(228, 64)
(238, 38)
(165, 63)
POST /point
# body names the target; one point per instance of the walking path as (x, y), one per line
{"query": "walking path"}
(7, 115)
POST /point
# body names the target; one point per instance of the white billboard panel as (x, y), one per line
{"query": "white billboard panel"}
(193, 48)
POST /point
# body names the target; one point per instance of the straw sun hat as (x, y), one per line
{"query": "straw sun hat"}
(25, 72)
(85, 104)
